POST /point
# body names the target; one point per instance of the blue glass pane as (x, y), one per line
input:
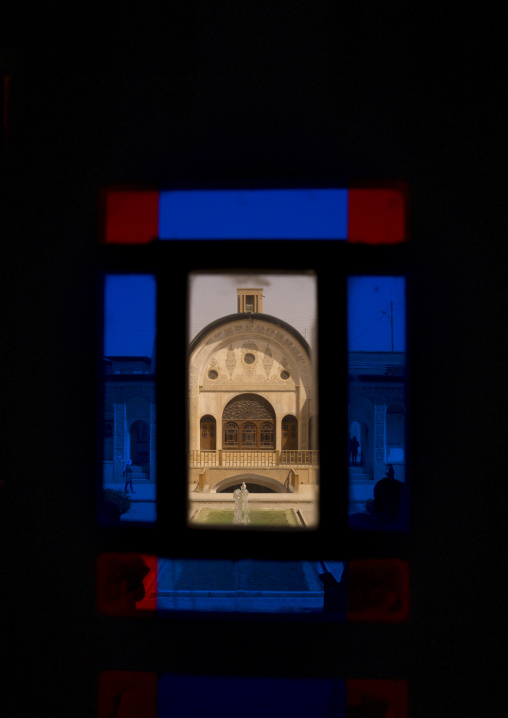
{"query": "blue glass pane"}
(252, 586)
(253, 214)
(129, 319)
(129, 418)
(375, 305)
(376, 442)
(250, 697)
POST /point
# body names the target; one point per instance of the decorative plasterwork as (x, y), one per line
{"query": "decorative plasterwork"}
(230, 361)
(260, 328)
(224, 351)
(268, 360)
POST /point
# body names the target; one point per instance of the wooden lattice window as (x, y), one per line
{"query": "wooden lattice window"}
(231, 434)
(249, 434)
(267, 435)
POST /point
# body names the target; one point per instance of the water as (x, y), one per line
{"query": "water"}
(244, 585)
(225, 516)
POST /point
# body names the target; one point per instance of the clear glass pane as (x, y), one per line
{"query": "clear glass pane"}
(249, 371)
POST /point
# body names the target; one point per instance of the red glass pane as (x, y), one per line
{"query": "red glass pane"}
(376, 698)
(129, 694)
(131, 217)
(378, 590)
(376, 216)
(126, 583)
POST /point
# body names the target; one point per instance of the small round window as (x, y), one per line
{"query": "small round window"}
(284, 375)
(249, 358)
(212, 374)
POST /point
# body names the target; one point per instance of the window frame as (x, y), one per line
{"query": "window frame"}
(332, 261)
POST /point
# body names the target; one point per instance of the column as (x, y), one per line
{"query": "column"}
(153, 440)
(380, 438)
(119, 449)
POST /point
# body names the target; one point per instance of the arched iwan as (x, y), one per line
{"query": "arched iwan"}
(250, 478)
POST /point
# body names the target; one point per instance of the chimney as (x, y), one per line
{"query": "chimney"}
(250, 300)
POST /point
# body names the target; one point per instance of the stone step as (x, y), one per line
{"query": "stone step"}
(135, 480)
(140, 475)
(356, 468)
(360, 479)
(358, 473)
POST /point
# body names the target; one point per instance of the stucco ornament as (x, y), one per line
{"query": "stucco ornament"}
(268, 361)
(231, 360)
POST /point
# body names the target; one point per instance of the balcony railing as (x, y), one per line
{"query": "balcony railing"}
(253, 459)
(305, 457)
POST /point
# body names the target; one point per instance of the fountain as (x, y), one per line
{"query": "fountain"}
(241, 515)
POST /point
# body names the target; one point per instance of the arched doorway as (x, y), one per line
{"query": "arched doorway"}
(207, 432)
(289, 433)
(140, 442)
(248, 423)
(252, 488)
(256, 483)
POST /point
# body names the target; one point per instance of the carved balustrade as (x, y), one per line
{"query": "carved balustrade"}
(253, 459)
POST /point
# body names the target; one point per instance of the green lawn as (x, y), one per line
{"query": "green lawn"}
(258, 517)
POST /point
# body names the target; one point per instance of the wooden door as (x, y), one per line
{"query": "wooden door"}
(289, 433)
(207, 433)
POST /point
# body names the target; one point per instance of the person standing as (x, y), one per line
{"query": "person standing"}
(127, 472)
(354, 449)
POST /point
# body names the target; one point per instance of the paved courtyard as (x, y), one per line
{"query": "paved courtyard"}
(144, 508)
(304, 502)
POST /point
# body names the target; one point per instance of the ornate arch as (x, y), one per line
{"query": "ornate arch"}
(249, 423)
(276, 348)
(248, 406)
(239, 337)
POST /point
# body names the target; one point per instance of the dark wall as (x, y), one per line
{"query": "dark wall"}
(227, 91)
